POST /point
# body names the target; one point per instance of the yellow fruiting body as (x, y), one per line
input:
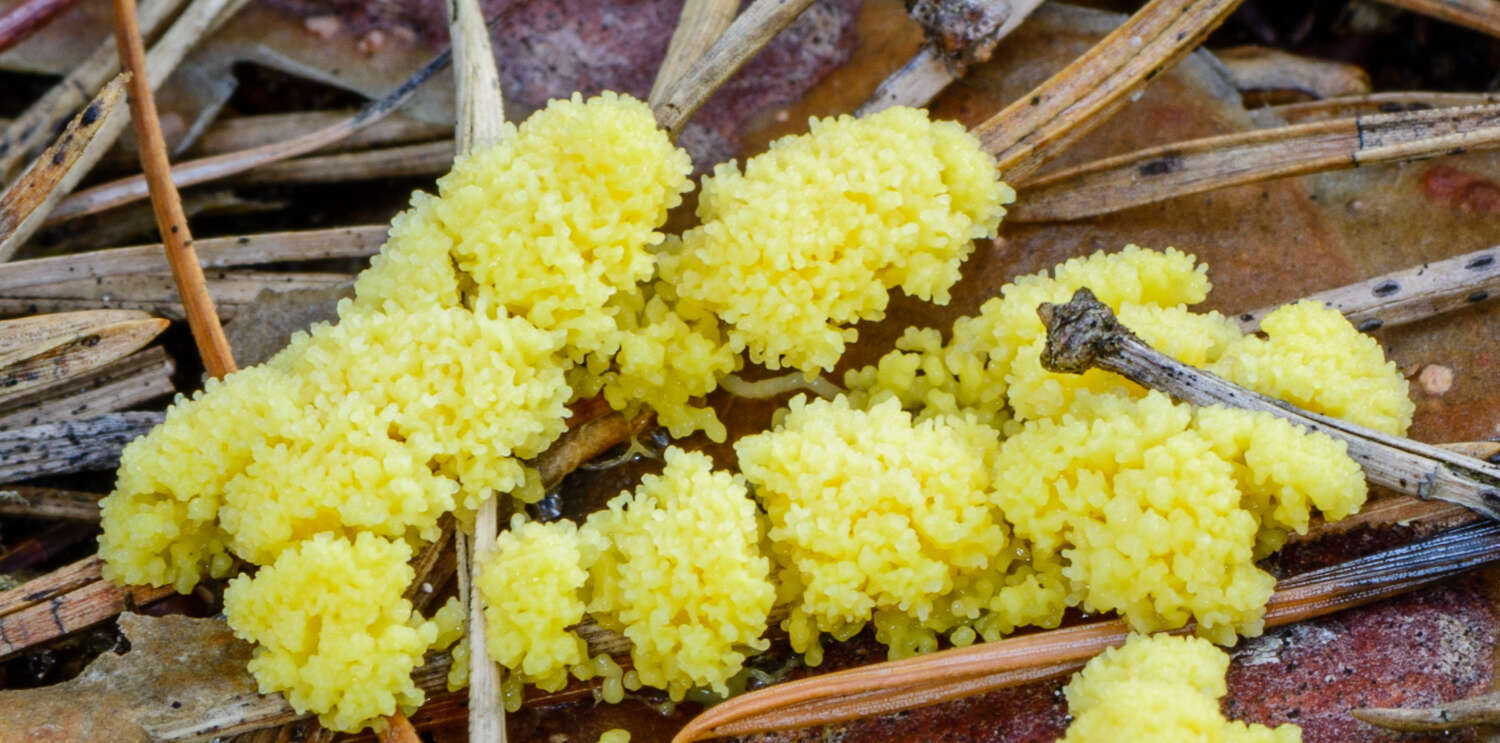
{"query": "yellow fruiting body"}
(870, 511)
(812, 235)
(677, 568)
(1159, 688)
(531, 585)
(1313, 358)
(548, 225)
(332, 631)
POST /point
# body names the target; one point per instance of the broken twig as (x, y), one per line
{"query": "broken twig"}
(1084, 334)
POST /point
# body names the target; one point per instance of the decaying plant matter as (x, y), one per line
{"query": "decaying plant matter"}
(54, 367)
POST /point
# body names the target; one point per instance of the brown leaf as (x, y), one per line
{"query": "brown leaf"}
(177, 670)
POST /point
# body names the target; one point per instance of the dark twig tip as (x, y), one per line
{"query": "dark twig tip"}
(1079, 332)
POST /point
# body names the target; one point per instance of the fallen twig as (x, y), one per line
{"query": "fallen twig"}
(73, 346)
(950, 674)
(120, 384)
(71, 446)
(582, 443)
(23, 206)
(47, 503)
(46, 619)
(1083, 95)
(1184, 168)
(219, 252)
(1457, 715)
(1084, 334)
(1410, 294)
(157, 292)
(959, 33)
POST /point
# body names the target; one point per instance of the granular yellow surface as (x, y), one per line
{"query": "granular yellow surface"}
(677, 568)
(532, 588)
(329, 612)
(810, 237)
(1159, 688)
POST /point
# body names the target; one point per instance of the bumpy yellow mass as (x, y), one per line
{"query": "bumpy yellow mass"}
(1313, 358)
(532, 588)
(332, 631)
(549, 224)
(1159, 688)
(677, 568)
(814, 232)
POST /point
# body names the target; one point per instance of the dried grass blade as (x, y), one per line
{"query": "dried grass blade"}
(1480, 15)
(744, 37)
(1410, 294)
(28, 336)
(701, 24)
(27, 134)
(62, 358)
(1043, 122)
(248, 132)
(430, 158)
(927, 679)
(1378, 103)
(157, 292)
(85, 606)
(202, 170)
(23, 206)
(70, 446)
(1184, 168)
(21, 20)
(47, 503)
(120, 384)
(1463, 713)
(220, 252)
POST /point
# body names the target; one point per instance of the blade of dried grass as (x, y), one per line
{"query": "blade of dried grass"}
(701, 24)
(428, 158)
(1452, 716)
(157, 292)
(1408, 295)
(27, 336)
(221, 252)
(745, 36)
(1481, 15)
(120, 384)
(1083, 95)
(69, 355)
(1165, 172)
(237, 133)
(25, 203)
(192, 172)
(186, 31)
(1379, 103)
(47, 503)
(21, 20)
(949, 674)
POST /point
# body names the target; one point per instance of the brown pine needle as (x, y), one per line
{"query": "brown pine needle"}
(398, 729)
(1084, 334)
(1408, 295)
(427, 158)
(1200, 165)
(745, 36)
(24, 204)
(701, 24)
(208, 334)
(21, 20)
(1480, 15)
(928, 679)
(1083, 95)
(202, 170)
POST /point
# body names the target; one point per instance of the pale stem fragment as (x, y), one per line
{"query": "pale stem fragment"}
(1480, 15)
(1463, 713)
(702, 22)
(1408, 295)
(744, 37)
(1259, 68)
(1182, 168)
(959, 33)
(1084, 334)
